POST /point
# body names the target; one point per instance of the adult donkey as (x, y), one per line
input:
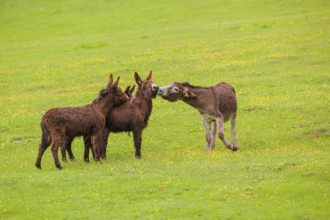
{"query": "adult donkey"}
(216, 104)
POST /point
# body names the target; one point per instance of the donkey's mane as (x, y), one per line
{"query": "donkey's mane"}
(195, 87)
(99, 98)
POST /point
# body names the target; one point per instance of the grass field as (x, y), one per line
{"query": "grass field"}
(275, 53)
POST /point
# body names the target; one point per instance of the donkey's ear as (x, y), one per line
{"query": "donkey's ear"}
(137, 79)
(115, 84)
(127, 90)
(110, 80)
(132, 89)
(149, 76)
(190, 95)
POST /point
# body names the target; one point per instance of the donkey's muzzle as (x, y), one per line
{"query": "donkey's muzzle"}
(160, 91)
(155, 89)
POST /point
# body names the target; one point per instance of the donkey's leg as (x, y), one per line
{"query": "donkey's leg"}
(97, 142)
(105, 142)
(67, 147)
(137, 135)
(46, 140)
(208, 134)
(213, 133)
(57, 142)
(233, 133)
(88, 146)
(63, 152)
(221, 134)
(40, 153)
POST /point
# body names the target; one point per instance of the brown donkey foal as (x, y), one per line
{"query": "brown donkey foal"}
(88, 141)
(216, 104)
(134, 114)
(61, 125)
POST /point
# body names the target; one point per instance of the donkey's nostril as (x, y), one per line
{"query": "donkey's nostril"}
(160, 91)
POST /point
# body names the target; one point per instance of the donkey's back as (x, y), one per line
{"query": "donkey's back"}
(73, 121)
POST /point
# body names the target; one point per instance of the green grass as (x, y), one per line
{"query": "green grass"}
(276, 55)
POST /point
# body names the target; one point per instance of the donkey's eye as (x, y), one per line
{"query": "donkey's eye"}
(176, 89)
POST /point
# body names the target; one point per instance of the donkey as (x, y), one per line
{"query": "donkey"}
(61, 125)
(216, 104)
(134, 114)
(87, 139)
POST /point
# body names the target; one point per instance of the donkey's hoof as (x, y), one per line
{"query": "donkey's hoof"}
(59, 168)
(230, 146)
(138, 156)
(38, 166)
(235, 148)
(208, 150)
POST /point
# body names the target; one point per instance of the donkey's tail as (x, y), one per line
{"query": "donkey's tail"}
(46, 138)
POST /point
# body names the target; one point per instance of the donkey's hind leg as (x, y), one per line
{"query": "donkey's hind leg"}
(233, 133)
(57, 142)
(46, 140)
(221, 134)
(213, 133)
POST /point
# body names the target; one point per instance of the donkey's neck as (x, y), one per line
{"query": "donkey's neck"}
(144, 104)
(102, 107)
(192, 102)
(200, 98)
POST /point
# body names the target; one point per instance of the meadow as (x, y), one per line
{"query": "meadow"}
(275, 53)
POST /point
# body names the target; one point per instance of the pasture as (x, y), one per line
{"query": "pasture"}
(275, 54)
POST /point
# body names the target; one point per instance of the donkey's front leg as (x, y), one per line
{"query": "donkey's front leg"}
(221, 134)
(97, 142)
(105, 142)
(137, 135)
(68, 149)
(208, 134)
(88, 145)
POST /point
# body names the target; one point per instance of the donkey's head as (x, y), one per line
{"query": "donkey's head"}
(176, 91)
(113, 95)
(146, 87)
